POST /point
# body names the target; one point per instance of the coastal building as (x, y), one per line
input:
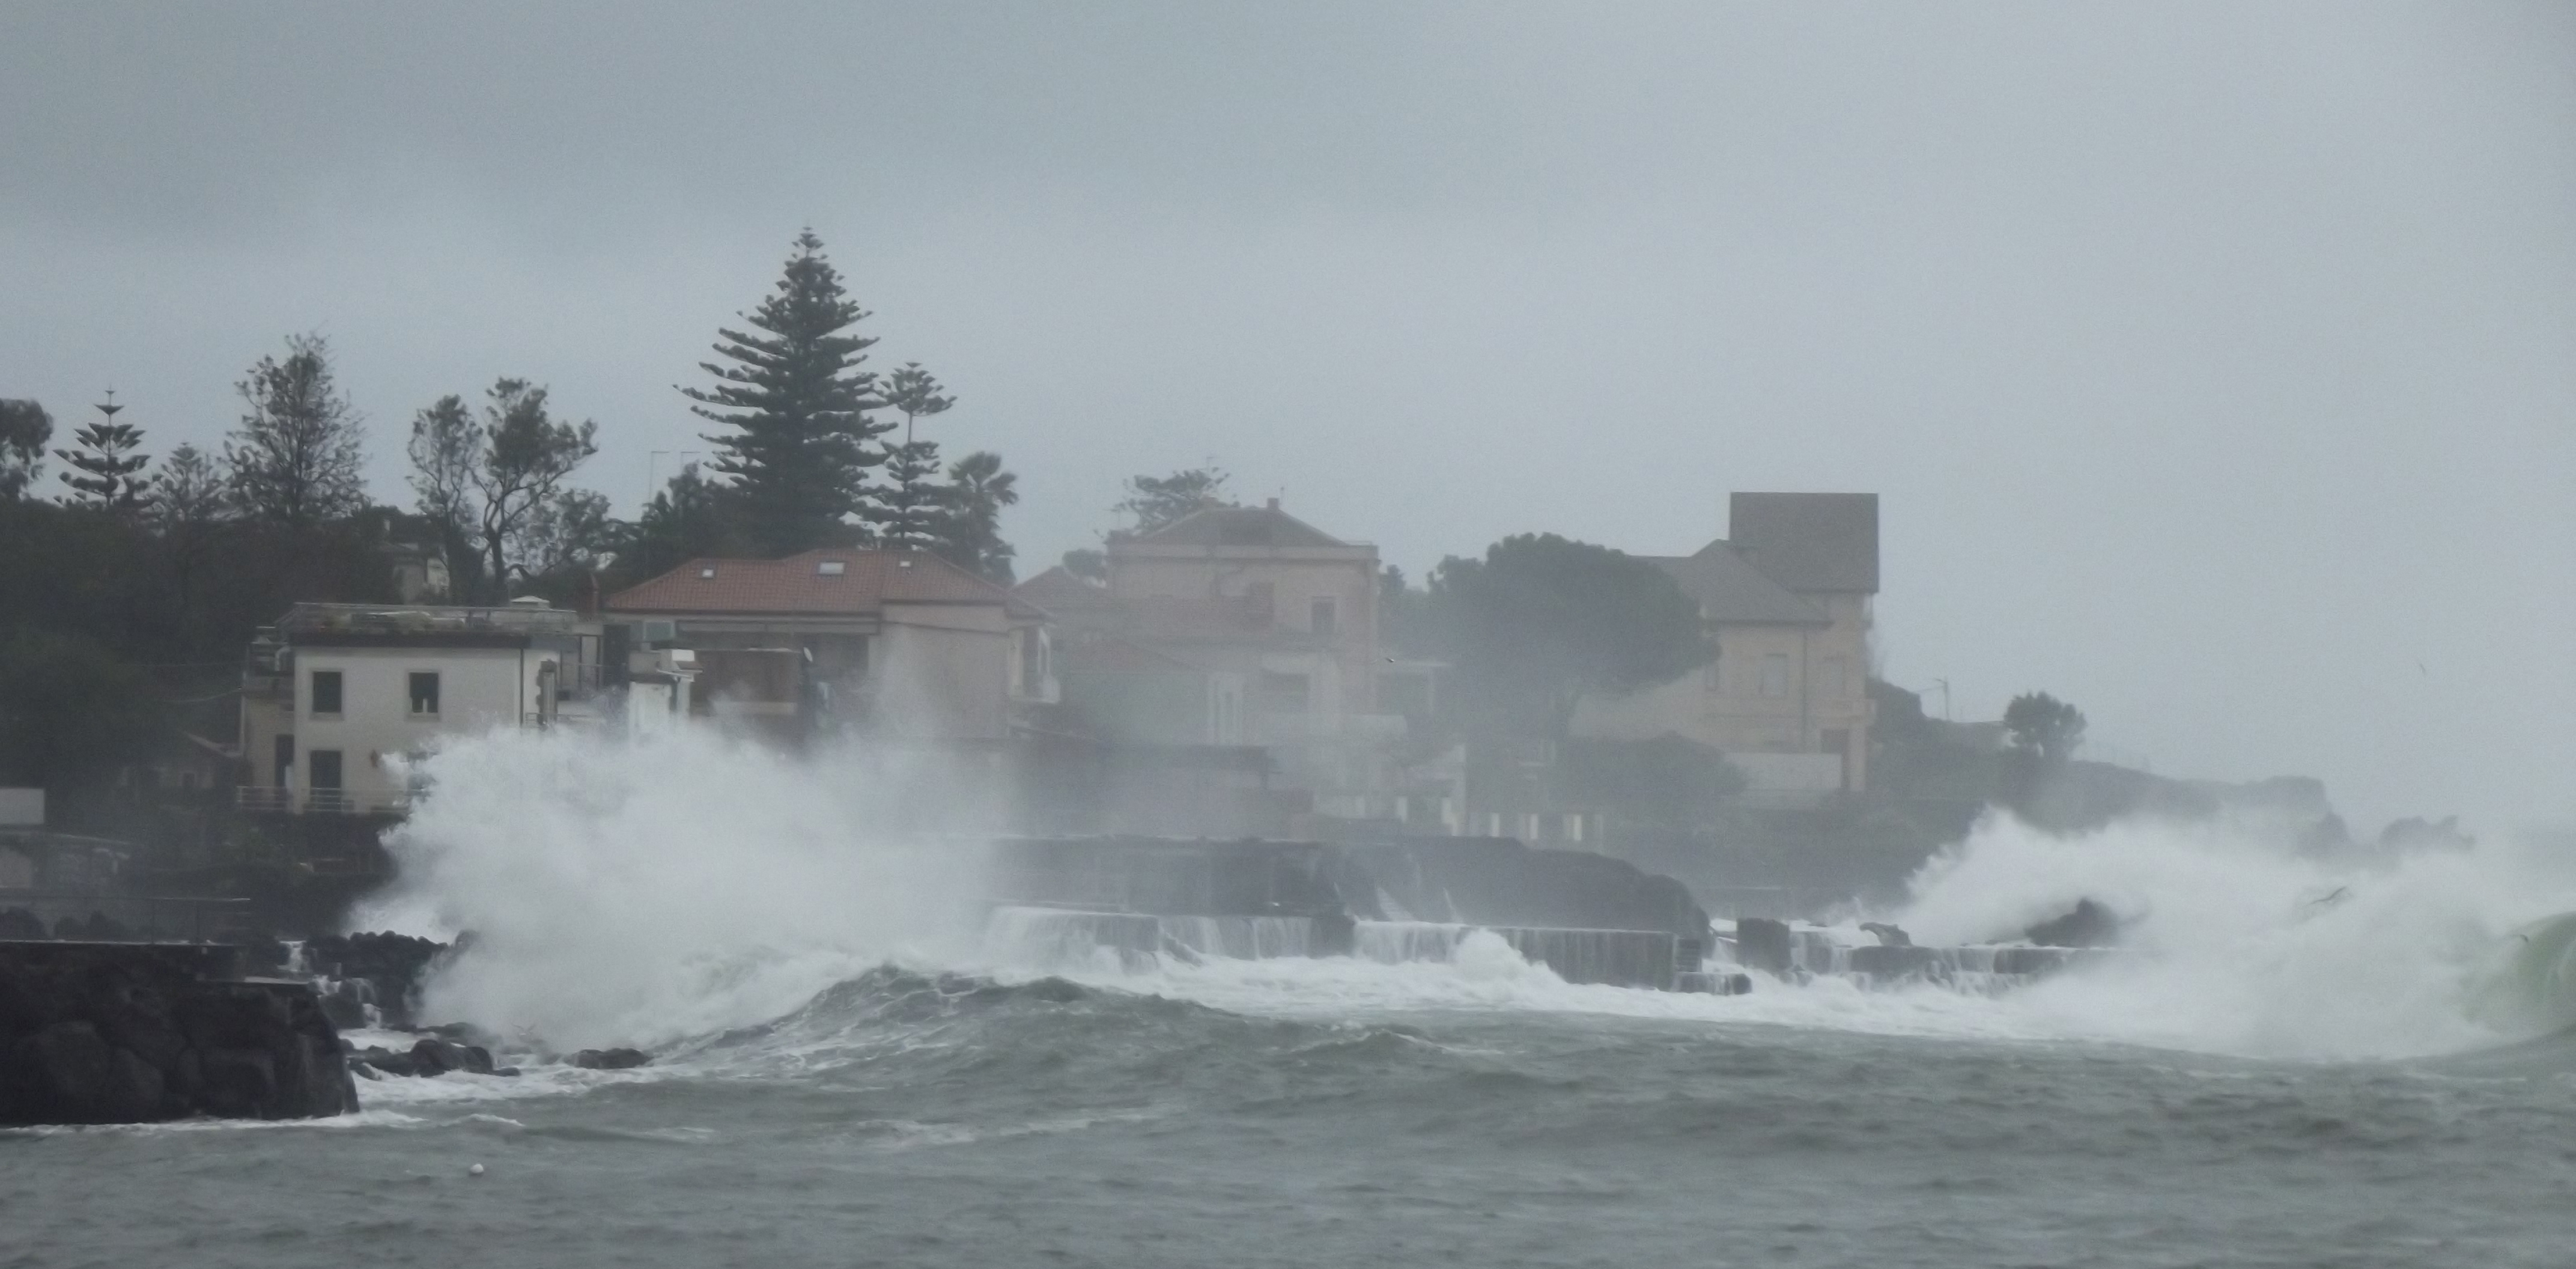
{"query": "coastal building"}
(333, 692)
(899, 644)
(1237, 627)
(1787, 597)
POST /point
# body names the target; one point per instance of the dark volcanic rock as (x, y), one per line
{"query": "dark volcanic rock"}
(609, 1059)
(19, 923)
(1762, 943)
(1886, 962)
(389, 965)
(94, 1034)
(2089, 925)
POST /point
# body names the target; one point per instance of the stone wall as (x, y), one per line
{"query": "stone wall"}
(101, 1033)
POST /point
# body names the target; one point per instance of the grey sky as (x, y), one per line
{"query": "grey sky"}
(2217, 363)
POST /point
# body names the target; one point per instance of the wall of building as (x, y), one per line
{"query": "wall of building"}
(1773, 690)
(944, 672)
(1294, 579)
(479, 688)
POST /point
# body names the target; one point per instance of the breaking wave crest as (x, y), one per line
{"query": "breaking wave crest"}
(702, 896)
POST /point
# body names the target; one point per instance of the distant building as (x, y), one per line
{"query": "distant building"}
(899, 643)
(1234, 627)
(1787, 597)
(334, 692)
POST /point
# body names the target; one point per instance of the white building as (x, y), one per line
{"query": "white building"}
(335, 691)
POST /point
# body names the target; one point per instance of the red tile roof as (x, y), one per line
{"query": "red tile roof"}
(868, 581)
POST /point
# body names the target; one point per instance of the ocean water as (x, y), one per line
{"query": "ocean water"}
(2298, 1066)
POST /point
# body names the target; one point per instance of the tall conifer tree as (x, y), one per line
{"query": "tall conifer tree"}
(792, 406)
(914, 501)
(107, 475)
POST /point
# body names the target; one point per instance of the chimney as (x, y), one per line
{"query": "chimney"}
(1274, 504)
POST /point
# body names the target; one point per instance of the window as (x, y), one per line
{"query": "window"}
(424, 693)
(1775, 674)
(1321, 616)
(831, 568)
(326, 769)
(326, 693)
(1283, 693)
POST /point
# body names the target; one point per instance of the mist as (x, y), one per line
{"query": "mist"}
(2210, 361)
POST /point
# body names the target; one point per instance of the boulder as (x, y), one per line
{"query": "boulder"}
(609, 1059)
(2089, 925)
(1762, 943)
(131, 1033)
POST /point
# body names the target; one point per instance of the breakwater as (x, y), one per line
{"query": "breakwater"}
(1589, 918)
(101, 1033)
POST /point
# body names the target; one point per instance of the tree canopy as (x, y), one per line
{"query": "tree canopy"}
(1155, 501)
(969, 535)
(1541, 621)
(295, 460)
(2043, 726)
(24, 429)
(791, 404)
(107, 473)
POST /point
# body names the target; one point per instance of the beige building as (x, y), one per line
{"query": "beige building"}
(335, 694)
(1787, 598)
(899, 643)
(1259, 592)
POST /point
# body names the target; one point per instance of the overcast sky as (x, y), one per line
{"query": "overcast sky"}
(2216, 364)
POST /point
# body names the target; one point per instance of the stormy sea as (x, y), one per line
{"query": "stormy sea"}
(2291, 1064)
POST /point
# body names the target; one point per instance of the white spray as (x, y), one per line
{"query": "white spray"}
(634, 893)
(2237, 943)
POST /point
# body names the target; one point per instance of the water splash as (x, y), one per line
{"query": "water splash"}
(2242, 945)
(637, 892)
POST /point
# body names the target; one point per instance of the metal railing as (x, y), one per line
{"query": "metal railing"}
(261, 799)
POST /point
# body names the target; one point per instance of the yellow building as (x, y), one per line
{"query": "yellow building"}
(1787, 597)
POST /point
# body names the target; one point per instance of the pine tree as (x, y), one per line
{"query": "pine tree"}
(295, 460)
(24, 429)
(188, 495)
(914, 502)
(970, 535)
(107, 475)
(793, 405)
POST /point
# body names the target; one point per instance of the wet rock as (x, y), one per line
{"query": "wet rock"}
(1885, 963)
(389, 965)
(436, 1056)
(609, 1059)
(19, 923)
(2089, 925)
(131, 1034)
(1762, 943)
(1888, 935)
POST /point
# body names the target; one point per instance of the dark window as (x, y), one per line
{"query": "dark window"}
(326, 768)
(326, 691)
(285, 759)
(424, 691)
(1321, 616)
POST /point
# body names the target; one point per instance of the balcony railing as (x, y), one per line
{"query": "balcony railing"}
(261, 799)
